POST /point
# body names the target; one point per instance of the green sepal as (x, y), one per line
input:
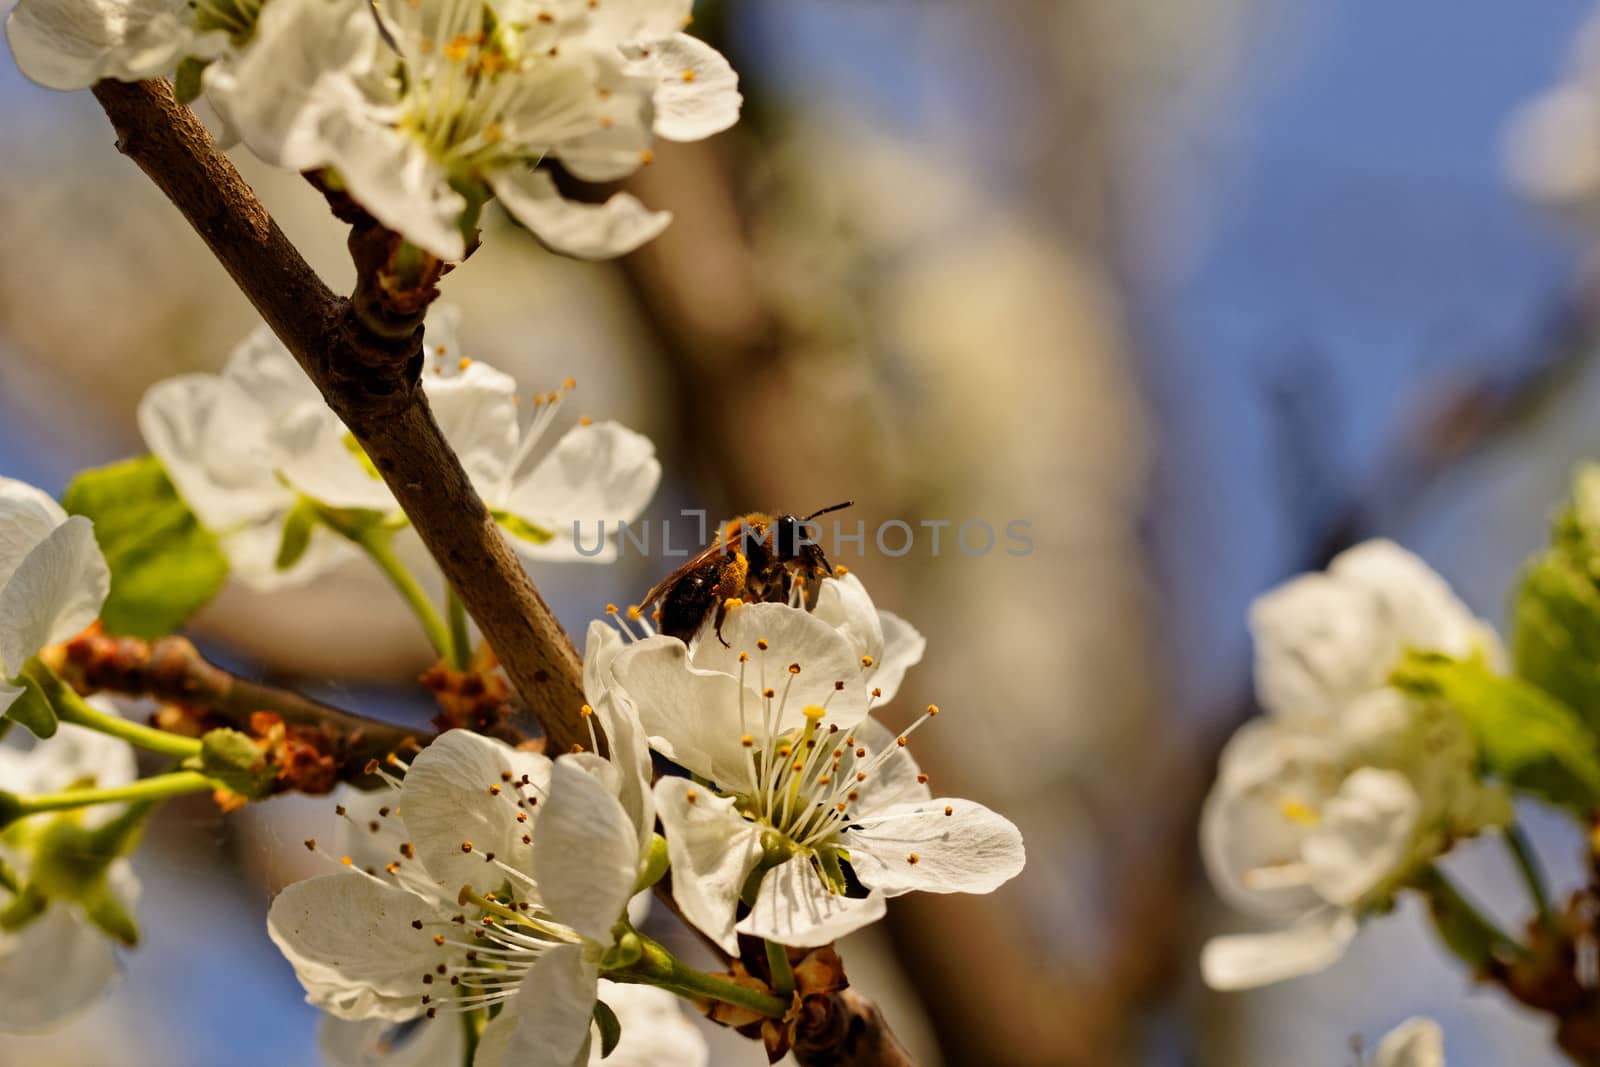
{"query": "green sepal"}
(233, 759)
(610, 1028)
(655, 864)
(186, 80)
(624, 952)
(27, 906)
(298, 525)
(108, 913)
(521, 528)
(1527, 738)
(164, 564)
(33, 709)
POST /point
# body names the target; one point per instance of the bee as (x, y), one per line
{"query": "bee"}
(755, 557)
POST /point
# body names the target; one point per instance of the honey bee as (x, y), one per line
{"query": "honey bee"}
(755, 557)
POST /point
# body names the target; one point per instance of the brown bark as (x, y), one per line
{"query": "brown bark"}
(372, 382)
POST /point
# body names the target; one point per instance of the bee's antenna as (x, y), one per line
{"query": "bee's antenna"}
(830, 507)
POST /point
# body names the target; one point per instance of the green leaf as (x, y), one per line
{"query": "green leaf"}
(610, 1028)
(233, 759)
(517, 526)
(1555, 638)
(1526, 737)
(164, 564)
(33, 709)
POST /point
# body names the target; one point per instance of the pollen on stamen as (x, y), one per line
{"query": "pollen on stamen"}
(586, 711)
(900, 741)
(949, 809)
(933, 709)
(747, 741)
(338, 809)
(840, 571)
(866, 661)
(647, 156)
(494, 790)
(689, 75)
(611, 609)
(769, 693)
(861, 776)
(838, 687)
(691, 796)
(922, 779)
(522, 816)
(466, 846)
(347, 861)
(585, 420)
(761, 643)
(744, 657)
(853, 796)
(463, 363)
(311, 844)
(635, 612)
(912, 859)
(794, 668)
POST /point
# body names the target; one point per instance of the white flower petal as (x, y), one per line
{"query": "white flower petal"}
(603, 473)
(969, 850)
(586, 852)
(894, 781)
(620, 22)
(554, 1010)
(630, 756)
(71, 44)
(351, 942)
(319, 457)
(793, 907)
(54, 967)
(655, 1030)
(447, 800)
(844, 604)
(793, 636)
(1364, 836)
(690, 716)
(477, 411)
(713, 849)
(903, 646)
(1245, 961)
(382, 1043)
(1414, 1043)
(586, 231)
(55, 591)
(697, 93)
(27, 515)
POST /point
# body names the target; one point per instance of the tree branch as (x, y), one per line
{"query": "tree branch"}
(173, 671)
(372, 381)
(370, 375)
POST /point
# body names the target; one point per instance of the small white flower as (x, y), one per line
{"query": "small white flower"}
(445, 103)
(53, 578)
(803, 783)
(71, 44)
(501, 885)
(244, 446)
(1312, 825)
(46, 923)
(1325, 639)
(1414, 1043)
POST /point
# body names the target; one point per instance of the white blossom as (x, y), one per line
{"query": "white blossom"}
(53, 578)
(439, 105)
(1414, 1043)
(505, 874)
(802, 782)
(244, 446)
(71, 44)
(54, 961)
(1323, 809)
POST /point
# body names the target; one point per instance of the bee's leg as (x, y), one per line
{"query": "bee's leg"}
(730, 586)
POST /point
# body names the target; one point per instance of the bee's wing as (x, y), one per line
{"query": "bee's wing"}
(728, 534)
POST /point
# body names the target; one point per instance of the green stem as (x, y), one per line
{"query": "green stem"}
(145, 790)
(1465, 930)
(460, 638)
(472, 1023)
(70, 707)
(658, 967)
(782, 973)
(1527, 862)
(378, 543)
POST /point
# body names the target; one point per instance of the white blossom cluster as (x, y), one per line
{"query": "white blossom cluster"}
(421, 110)
(1347, 787)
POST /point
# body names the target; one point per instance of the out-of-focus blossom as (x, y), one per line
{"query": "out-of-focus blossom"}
(57, 952)
(1414, 1043)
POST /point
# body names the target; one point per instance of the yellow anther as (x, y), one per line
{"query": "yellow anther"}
(900, 741)
(794, 668)
(611, 609)
(866, 661)
(933, 709)
(570, 383)
(769, 693)
(606, 122)
(647, 156)
(494, 790)
(346, 860)
(1299, 813)
(689, 75)
(463, 363)
(840, 571)
(949, 810)
(584, 420)
(744, 657)
(761, 643)
(466, 846)
(691, 796)
(747, 741)
(635, 612)
(912, 859)
(922, 779)
(311, 844)
(586, 711)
